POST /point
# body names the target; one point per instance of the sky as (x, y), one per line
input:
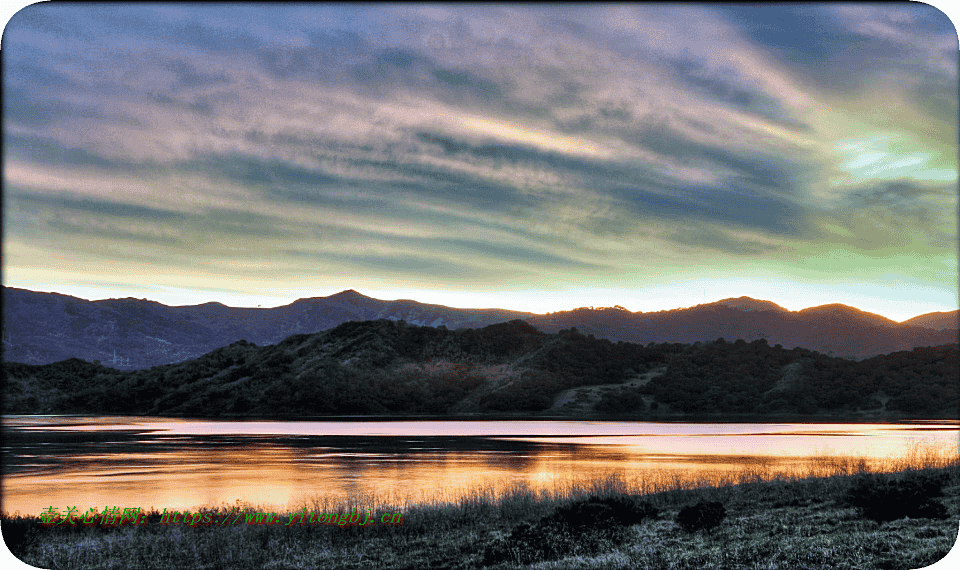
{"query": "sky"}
(528, 157)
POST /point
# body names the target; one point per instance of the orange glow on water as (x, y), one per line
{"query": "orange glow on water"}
(282, 466)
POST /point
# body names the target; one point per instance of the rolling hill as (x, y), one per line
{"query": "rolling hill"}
(386, 367)
(128, 334)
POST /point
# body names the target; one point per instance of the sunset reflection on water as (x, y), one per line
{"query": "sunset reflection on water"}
(182, 464)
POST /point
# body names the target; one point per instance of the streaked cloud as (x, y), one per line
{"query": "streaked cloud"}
(486, 148)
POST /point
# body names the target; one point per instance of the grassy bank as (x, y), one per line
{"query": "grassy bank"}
(809, 521)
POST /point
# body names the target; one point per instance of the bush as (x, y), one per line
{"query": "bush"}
(705, 515)
(18, 533)
(529, 543)
(586, 526)
(884, 499)
(619, 401)
(602, 513)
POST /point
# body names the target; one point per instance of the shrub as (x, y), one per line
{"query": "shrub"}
(884, 499)
(18, 533)
(619, 401)
(705, 515)
(585, 526)
(528, 543)
(602, 513)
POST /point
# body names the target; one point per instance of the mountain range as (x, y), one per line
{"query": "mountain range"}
(130, 334)
(393, 368)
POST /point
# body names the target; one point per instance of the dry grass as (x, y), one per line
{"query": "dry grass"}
(775, 520)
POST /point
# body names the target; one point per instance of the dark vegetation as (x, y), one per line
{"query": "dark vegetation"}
(816, 523)
(754, 377)
(705, 515)
(386, 367)
(585, 526)
(884, 499)
(135, 334)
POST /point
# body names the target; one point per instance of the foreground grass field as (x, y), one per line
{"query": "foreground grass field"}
(810, 522)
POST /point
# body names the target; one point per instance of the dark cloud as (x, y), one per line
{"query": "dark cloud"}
(889, 216)
(239, 223)
(46, 20)
(399, 58)
(497, 253)
(803, 34)
(649, 194)
(380, 72)
(27, 70)
(939, 98)
(349, 60)
(384, 71)
(726, 86)
(399, 206)
(98, 207)
(902, 206)
(410, 267)
(276, 176)
(385, 121)
(898, 193)
(96, 217)
(467, 249)
(31, 109)
(718, 205)
(204, 105)
(708, 238)
(465, 81)
(765, 173)
(61, 220)
(841, 54)
(66, 229)
(517, 154)
(188, 75)
(329, 56)
(49, 151)
(459, 188)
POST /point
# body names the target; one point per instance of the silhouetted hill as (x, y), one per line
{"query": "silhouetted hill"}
(941, 320)
(832, 329)
(387, 367)
(127, 334)
(748, 304)
(40, 328)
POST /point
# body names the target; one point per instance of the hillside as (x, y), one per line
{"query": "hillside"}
(41, 328)
(386, 367)
(941, 320)
(831, 329)
(130, 334)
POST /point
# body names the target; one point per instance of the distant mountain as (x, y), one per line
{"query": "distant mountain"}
(748, 304)
(833, 329)
(942, 320)
(387, 367)
(129, 333)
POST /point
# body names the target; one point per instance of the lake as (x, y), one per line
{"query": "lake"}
(87, 462)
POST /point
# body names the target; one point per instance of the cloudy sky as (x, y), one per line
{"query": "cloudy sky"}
(538, 158)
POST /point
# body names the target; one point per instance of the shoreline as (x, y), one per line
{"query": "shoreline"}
(777, 523)
(659, 418)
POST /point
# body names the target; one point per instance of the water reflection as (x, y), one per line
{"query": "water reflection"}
(167, 463)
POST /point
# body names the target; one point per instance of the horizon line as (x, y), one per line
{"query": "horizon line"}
(592, 307)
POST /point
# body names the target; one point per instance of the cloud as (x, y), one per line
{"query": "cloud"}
(702, 237)
(485, 140)
(895, 218)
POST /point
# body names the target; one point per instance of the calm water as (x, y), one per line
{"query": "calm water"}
(172, 463)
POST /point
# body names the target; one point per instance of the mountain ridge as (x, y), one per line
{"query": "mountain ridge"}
(390, 367)
(750, 304)
(41, 328)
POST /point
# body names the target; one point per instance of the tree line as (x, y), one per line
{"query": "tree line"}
(387, 367)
